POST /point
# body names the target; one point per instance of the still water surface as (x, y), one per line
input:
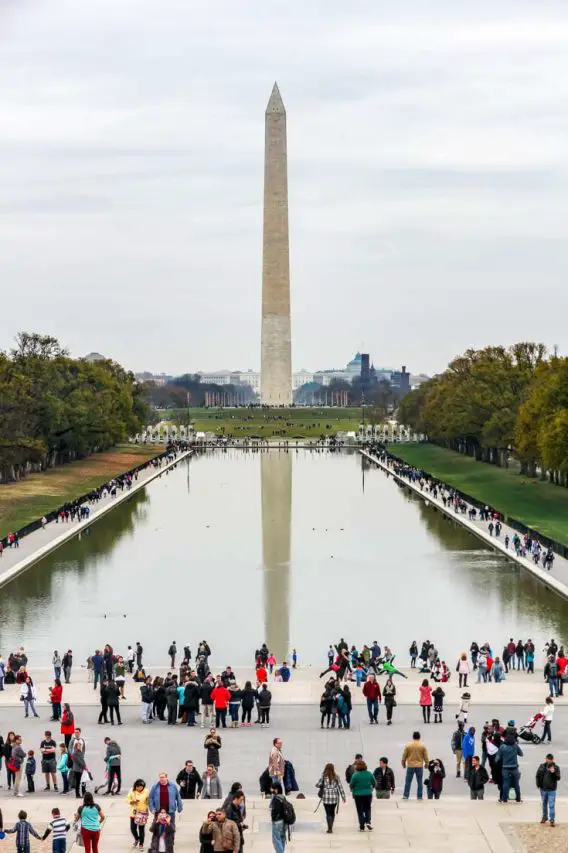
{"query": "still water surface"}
(296, 547)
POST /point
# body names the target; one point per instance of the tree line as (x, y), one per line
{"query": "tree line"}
(498, 402)
(54, 408)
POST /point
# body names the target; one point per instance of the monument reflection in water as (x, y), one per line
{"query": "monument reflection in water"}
(276, 498)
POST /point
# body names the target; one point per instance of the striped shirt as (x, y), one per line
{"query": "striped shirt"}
(58, 826)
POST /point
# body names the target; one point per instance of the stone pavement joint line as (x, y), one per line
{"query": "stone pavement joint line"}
(557, 581)
(448, 824)
(16, 560)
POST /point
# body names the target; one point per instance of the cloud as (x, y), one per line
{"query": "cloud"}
(427, 167)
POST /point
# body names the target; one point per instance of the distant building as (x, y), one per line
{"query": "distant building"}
(401, 379)
(94, 356)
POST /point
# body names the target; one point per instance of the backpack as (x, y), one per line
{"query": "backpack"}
(288, 813)
(553, 670)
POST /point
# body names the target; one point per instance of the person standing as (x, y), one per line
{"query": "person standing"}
(130, 658)
(55, 696)
(547, 779)
(478, 778)
(221, 698)
(248, 696)
(468, 749)
(147, 698)
(28, 696)
(113, 758)
(463, 670)
(225, 832)
(413, 652)
(31, 767)
(113, 700)
(165, 795)
(389, 696)
(137, 798)
(548, 714)
(139, 652)
(456, 744)
(56, 661)
(17, 762)
(189, 781)
(213, 746)
(508, 756)
(191, 696)
(425, 700)
(384, 779)
(330, 791)
(414, 760)
(362, 785)
(163, 832)
(63, 767)
(372, 693)
(435, 781)
(48, 750)
(264, 702)
(89, 816)
(67, 663)
(98, 661)
(172, 651)
(78, 765)
(206, 690)
(438, 698)
(276, 762)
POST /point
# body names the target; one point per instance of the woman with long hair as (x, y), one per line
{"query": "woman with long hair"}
(67, 723)
(248, 696)
(9, 744)
(212, 789)
(330, 791)
(205, 837)
(137, 799)
(425, 700)
(389, 694)
(463, 670)
(89, 817)
(362, 785)
(28, 696)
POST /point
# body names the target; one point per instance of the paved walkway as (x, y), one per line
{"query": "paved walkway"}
(449, 825)
(556, 579)
(39, 543)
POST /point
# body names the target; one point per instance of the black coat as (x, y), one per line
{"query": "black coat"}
(172, 696)
(193, 782)
(247, 699)
(191, 696)
(206, 690)
(112, 695)
(213, 745)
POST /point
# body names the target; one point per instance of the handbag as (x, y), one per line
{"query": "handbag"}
(383, 795)
(141, 818)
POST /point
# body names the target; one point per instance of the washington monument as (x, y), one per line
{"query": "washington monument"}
(276, 355)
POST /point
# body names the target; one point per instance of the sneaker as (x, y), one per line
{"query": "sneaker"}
(361, 829)
(55, 788)
(552, 823)
(369, 826)
(47, 788)
(544, 820)
(18, 795)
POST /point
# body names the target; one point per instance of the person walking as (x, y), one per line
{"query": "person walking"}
(456, 744)
(163, 832)
(264, 703)
(67, 723)
(67, 664)
(425, 700)
(372, 693)
(137, 798)
(147, 699)
(22, 830)
(28, 696)
(164, 794)
(113, 759)
(90, 816)
(189, 781)
(205, 836)
(330, 791)
(547, 779)
(389, 696)
(225, 833)
(548, 714)
(478, 778)
(463, 670)
(414, 760)
(213, 745)
(362, 785)
(508, 755)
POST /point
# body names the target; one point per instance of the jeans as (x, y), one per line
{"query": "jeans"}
(546, 732)
(220, 717)
(65, 779)
(137, 831)
(520, 661)
(146, 712)
(56, 710)
(97, 678)
(363, 805)
(548, 805)
(476, 795)
(31, 783)
(57, 672)
(510, 777)
(114, 709)
(482, 674)
(344, 720)
(373, 709)
(234, 712)
(59, 845)
(278, 836)
(67, 674)
(467, 767)
(265, 716)
(191, 718)
(30, 704)
(553, 686)
(410, 773)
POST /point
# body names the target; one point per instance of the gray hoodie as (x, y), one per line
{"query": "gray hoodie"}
(113, 753)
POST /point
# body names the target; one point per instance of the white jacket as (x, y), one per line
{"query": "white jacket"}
(24, 691)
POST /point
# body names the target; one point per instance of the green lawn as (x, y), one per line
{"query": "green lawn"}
(537, 504)
(284, 423)
(38, 494)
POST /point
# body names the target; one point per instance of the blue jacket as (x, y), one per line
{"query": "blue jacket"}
(508, 755)
(97, 662)
(285, 673)
(176, 802)
(468, 745)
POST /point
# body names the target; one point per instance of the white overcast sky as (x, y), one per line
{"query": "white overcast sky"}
(428, 165)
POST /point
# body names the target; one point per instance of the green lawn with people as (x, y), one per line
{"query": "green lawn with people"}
(292, 423)
(536, 503)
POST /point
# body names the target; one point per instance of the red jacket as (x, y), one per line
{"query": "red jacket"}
(56, 692)
(221, 697)
(261, 675)
(372, 690)
(67, 724)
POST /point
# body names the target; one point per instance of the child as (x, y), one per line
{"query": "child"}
(461, 716)
(438, 698)
(23, 829)
(271, 661)
(30, 771)
(60, 828)
(63, 766)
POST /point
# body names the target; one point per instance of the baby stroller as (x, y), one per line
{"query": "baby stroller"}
(528, 732)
